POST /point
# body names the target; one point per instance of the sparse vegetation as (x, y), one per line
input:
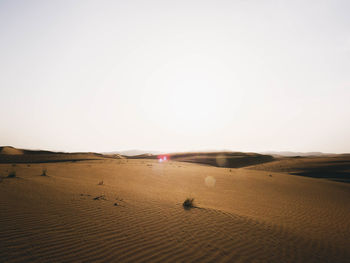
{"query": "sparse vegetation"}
(12, 174)
(188, 203)
(101, 197)
(44, 172)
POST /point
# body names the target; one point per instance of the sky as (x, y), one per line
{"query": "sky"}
(175, 75)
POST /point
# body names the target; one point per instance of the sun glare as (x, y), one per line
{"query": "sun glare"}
(163, 158)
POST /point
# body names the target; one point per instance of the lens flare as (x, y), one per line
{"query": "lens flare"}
(221, 160)
(210, 181)
(163, 157)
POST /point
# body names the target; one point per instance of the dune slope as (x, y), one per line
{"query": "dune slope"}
(136, 214)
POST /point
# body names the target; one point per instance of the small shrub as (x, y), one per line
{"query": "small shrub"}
(188, 203)
(12, 174)
(101, 197)
(44, 172)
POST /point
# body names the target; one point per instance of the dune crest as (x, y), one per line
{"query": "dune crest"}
(8, 150)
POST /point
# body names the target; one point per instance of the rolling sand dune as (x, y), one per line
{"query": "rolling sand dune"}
(219, 159)
(8, 150)
(130, 210)
(13, 155)
(335, 167)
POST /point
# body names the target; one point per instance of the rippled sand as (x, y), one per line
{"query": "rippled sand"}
(136, 214)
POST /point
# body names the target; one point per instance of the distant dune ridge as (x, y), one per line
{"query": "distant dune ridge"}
(292, 154)
(318, 165)
(219, 159)
(12, 155)
(8, 150)
(248, 207)
(333, 167)
(132, 152)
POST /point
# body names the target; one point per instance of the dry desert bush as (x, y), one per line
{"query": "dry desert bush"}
(11, 174)
(188, 203)
(44, 172)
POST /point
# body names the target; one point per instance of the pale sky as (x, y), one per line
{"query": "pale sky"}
(175, 75)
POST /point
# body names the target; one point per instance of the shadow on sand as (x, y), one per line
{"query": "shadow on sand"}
(340, 173)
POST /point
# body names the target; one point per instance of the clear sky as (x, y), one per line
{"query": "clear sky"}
(175, 75)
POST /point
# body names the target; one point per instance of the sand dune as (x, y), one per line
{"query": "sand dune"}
(136, 215)
(219, 159)
(8, 150)
(334, 167)
(13, 155)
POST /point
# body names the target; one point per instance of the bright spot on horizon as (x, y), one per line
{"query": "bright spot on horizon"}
(163, 158)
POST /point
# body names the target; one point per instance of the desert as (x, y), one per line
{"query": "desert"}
(91, 207)
(175, 131)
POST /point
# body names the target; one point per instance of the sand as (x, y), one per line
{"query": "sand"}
(136, 215)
